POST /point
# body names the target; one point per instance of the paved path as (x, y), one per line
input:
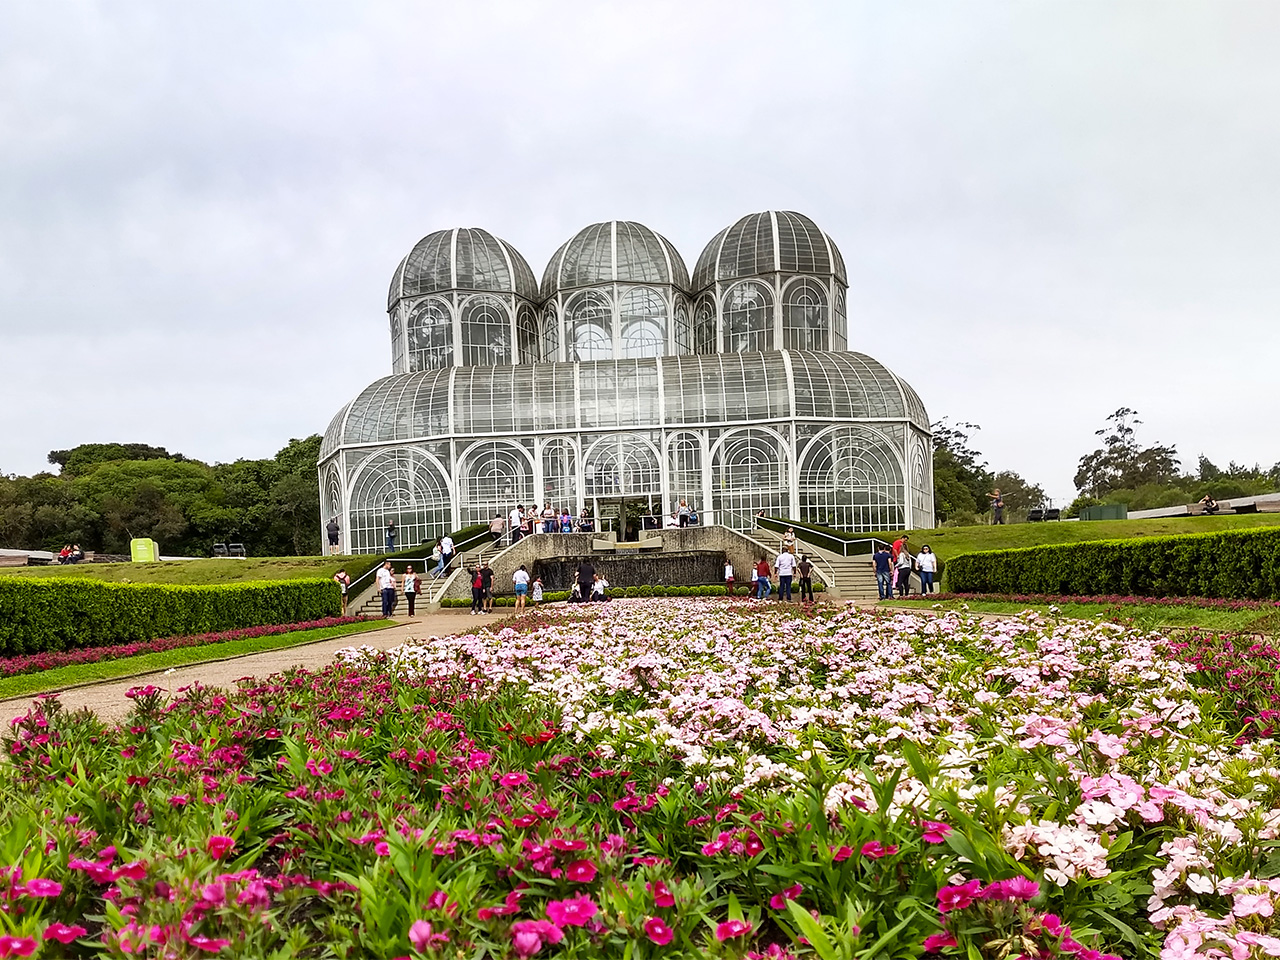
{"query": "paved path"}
(108, 699)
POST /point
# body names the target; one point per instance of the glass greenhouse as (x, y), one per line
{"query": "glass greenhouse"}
(623, 385)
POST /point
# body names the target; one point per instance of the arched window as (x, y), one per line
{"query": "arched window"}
(748, 318)
(550, 333)
(621, 464)
(749, 474)
(704, 333)
(684, 468)
(851, 479)
(430, 336)
(399, 485)
(397, 342)
(840, 326)
(806, 321)
(921, 485)
(683, 331)
(495, 476)
(332, 495)
(560, 474)
(643, 323)
(486, 332)
(589, 319)
(527, 336)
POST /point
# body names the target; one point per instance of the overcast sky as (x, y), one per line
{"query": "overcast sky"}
(1048, 210)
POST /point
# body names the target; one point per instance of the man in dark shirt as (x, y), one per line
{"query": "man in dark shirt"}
(486, 586)
(586, 578)
(884, 571)
(805, 568)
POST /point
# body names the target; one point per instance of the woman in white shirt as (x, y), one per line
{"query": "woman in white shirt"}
(927, 561)
(521, 581)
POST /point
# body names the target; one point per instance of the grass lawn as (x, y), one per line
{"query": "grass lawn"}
(29, 684)
(196, 571)
(1148, 616)
(953, 541)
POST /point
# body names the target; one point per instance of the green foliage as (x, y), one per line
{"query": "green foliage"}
(961, 479)
(78, 459)
(1234, 565)
(1120, 463)
(56, 613)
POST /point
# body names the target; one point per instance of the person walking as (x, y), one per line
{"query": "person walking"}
(883, 559)
(497, 527)
(437, 566)
(515, 519)
(536, 593)
(899, 546)
(477, 591)
(446, 552)
(486, 585)
(927, 561)
(411, 585)
(763, 586)
(343, 580)
(391, 536)
(521, 580)
(789, 541)
(903, 565)
(332, 530)
(997, 506)
(805, 569)
(387, 588)
(785, 564)
(728, 579)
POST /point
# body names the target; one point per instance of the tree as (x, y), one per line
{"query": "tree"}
(1120, 463)
(961, 479)
(1019, 494)
(78, 459)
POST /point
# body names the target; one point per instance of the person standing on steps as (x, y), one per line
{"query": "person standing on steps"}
(332, 530)
(805, 569)
(899, 547)
(486, 584)
(446, 552)
(521, 580)
(391, 536)
(785, 564)
(343, 580)
(515, 520)
(435, 562)
(496, 528)
(883, 559)
(411, 586)
(387, 588)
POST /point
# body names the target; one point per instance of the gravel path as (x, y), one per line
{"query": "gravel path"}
(108, 699)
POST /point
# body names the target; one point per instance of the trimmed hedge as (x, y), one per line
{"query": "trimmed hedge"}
(557, 596)
(65, 613)
(1241, 565)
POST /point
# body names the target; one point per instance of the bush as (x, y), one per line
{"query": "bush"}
(1239, 564)
(65, 613)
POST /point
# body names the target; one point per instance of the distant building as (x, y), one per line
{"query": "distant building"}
(623, 385)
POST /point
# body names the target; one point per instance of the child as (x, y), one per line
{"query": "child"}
(537, 592)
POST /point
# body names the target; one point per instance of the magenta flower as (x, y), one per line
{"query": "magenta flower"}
(658, 932)
(514, 779)
(319, 768)
(559, 843)
(779, 900)
(574, 912)
(208, 944)
(580, 871)
(214, 893)
(255, 896)
(17, 946)
(1021, 888)
(732, 928)
(528, 936)
(844, 853)
(662, 895)
(423, 937)
(958, 897)
(218, 846)
(62, 933)
(937, 941)
(934, 832)
(874, 849)
(43, 888)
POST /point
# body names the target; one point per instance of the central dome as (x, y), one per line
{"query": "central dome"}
(616, 250)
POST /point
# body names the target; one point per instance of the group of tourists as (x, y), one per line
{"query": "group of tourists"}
(410, 586)
(894, 565)
(785, 565)
(546, 519)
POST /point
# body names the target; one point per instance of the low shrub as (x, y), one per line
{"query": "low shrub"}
(68, 613)
(1236, 564)
(556, 596)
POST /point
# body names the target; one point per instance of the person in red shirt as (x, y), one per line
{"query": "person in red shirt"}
(763, 586)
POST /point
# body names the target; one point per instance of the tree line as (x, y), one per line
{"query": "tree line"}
(108, 493)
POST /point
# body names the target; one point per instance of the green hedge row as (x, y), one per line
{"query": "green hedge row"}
(556, 596)
(65, 613)
(1239, 564)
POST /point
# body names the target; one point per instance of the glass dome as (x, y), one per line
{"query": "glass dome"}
(464, 258)
(775, 241)
(615, 251)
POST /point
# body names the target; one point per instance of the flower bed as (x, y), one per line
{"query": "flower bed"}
(1110, 600)
(662, 779)
(39, 662)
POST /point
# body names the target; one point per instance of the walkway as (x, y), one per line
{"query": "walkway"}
(108, 698)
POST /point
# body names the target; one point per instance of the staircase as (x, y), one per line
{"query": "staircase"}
(370, 603)
(846, 578)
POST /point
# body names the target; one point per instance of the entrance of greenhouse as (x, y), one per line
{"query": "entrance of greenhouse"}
(629, 516)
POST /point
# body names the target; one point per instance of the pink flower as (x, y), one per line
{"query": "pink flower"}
(939, 940)
(255, 896)
(844, 853)
(580, 871)
(214, 893)
(208, 944)
(662, 896)
(934, 832)
(1020, 888)
(658, 932)
(43, 888)
(514, 779)
(319, 768)
(382, 848)
(959, 897)
(218, 846)
(574, 912)
(17, 946)
(423, 937)
(62, 933)
(779, 900)
(528, 936)
(874, 849)
(559, 843)
(732, 928)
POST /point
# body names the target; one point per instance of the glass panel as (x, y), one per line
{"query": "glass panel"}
(590, 323)
(748, 316)
(430, 336)
(486, 332)
(621, 464)
(643, 323)
(806, 322)
(851, 479)
(527, 338)
(560, 474)
(748, 474)
(402, 486)
(705, 326)
(495, 477)
(550, 333)
(684, 469)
